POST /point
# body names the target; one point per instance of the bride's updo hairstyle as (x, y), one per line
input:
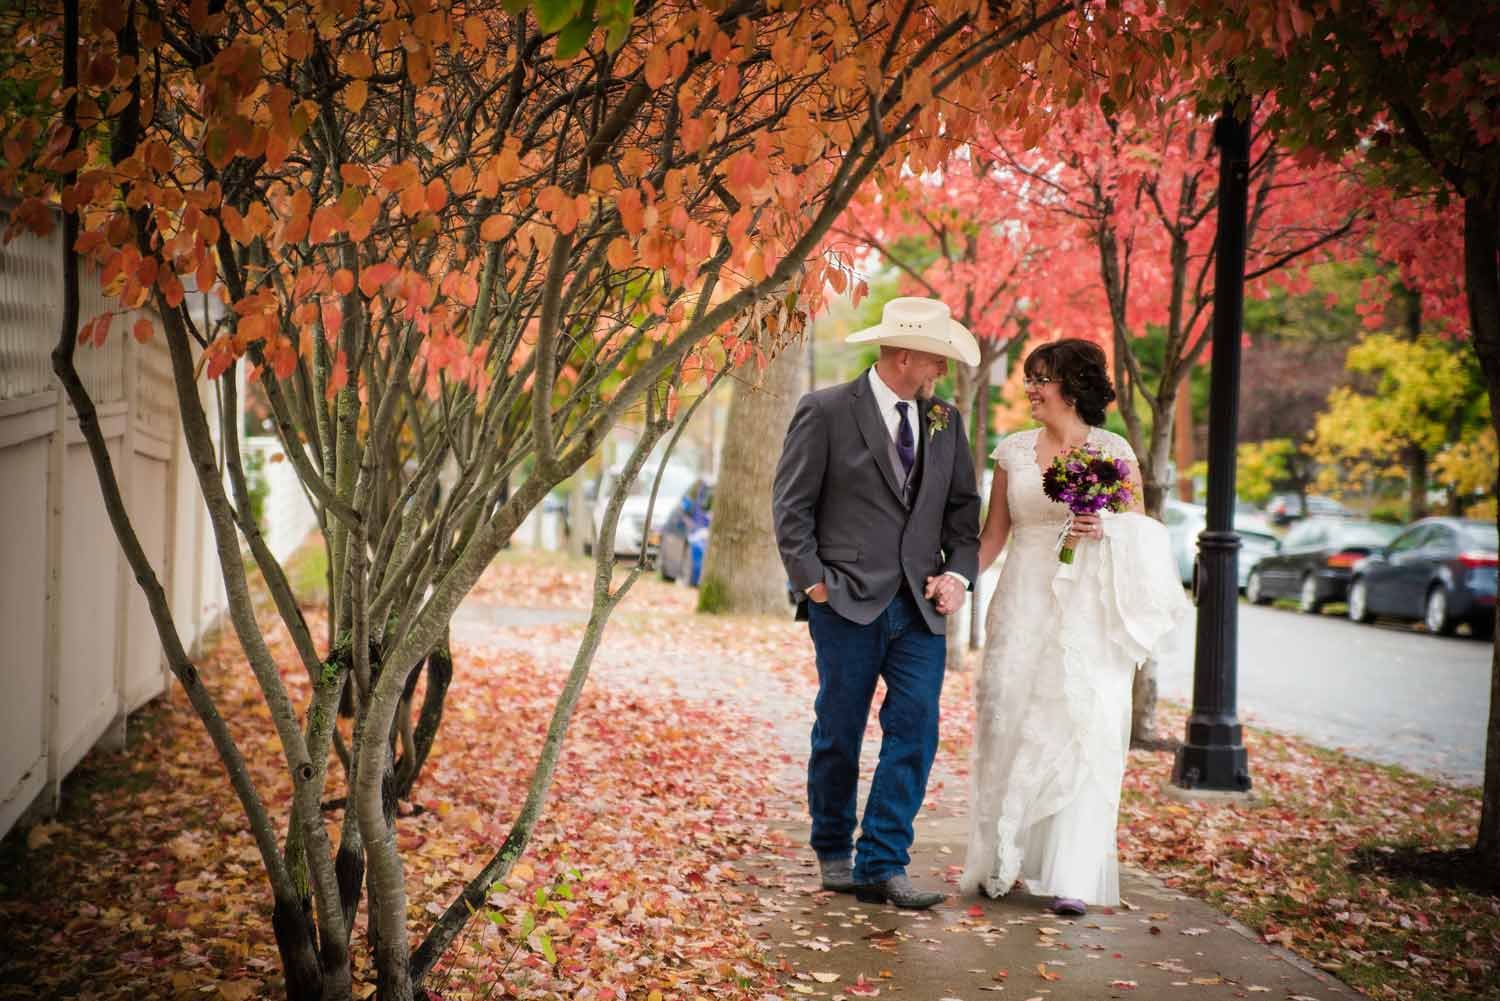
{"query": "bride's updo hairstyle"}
(1080, 370)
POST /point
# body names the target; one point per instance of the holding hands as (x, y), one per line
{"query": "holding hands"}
(945, 592)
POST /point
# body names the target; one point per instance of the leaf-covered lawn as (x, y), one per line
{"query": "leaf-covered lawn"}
(685, 757)
(1282, 866)
(148, 885)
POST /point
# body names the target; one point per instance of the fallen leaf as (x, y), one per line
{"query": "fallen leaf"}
(40, 835)
(825, 978)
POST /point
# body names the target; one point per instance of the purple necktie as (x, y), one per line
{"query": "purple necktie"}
(906, 445)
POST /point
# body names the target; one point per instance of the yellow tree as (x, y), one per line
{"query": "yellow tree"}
(1411, 399)
(1466, 470)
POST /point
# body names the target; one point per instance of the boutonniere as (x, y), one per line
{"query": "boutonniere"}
(937, 420)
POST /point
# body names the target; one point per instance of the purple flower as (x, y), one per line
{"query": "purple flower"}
(1087, 481)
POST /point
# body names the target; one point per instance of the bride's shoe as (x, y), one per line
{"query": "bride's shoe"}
(1068, 907)
(991, 888)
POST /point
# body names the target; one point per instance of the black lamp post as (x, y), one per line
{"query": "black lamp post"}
(1213, 756)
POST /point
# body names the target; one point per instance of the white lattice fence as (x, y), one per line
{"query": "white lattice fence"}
(80, 651)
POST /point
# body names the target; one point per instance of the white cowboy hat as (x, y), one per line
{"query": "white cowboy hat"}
(920, 324)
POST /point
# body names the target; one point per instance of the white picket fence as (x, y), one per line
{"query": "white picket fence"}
(78, 649)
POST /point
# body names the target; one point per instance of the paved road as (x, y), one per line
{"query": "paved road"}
(1386, 693)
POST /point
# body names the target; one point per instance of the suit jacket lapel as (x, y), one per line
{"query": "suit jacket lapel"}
(929, 445)
(872, 429)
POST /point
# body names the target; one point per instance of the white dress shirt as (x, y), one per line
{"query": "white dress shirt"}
(886, 399)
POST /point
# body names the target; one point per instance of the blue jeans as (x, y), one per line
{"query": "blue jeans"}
(900, 648)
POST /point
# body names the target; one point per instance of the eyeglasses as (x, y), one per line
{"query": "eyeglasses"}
(1031, 383)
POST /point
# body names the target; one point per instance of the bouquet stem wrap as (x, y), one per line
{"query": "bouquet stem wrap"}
(1065, 552)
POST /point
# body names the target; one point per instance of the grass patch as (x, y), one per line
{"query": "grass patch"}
(307, 571)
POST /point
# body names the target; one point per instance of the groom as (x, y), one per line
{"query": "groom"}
(877, 519)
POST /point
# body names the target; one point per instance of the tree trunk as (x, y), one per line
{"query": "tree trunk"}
(968, 381)
(979, 439)
(1415, 456)
(1482, 282)
(439, 675)
(1183, 427)
(292, 924)
(1158, 458)
(742, 571)
(1416, 481)
(1143, 693)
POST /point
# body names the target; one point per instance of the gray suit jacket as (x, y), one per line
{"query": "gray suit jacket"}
(839, 509)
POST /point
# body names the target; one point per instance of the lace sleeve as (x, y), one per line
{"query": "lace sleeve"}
(1117, 447)
(1001, 456)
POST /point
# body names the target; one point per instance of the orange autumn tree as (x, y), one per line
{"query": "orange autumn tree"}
(457, 243)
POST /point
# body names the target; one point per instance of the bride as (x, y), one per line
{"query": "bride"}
(1064, 642)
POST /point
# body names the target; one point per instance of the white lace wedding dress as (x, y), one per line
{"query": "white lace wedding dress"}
(1053, 693)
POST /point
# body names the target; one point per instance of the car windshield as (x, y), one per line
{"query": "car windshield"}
(1484, 538)
(674, 483)
(1371, 533)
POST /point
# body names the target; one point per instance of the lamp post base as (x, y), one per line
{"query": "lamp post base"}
(1213, 759)
(1209, 797)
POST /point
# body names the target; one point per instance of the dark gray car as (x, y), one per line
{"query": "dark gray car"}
(1316, 561)
(1440, 571)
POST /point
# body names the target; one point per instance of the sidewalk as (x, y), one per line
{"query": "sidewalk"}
(1158, 944)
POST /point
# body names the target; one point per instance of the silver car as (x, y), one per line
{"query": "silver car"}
(1185, 522)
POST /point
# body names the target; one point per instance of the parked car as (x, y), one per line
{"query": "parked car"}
(1283, 509)
(1185, 522)
(1316, 561)
(1439, 571)
(632, 528)
(684, 536)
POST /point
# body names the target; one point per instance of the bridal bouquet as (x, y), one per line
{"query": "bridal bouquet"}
(1087, 481)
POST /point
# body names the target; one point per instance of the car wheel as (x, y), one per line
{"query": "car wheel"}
(1436, 617)
(1307, 596)
(1253, 592)
(1359, 601)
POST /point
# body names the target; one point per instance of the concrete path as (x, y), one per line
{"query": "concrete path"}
(1158, 945)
